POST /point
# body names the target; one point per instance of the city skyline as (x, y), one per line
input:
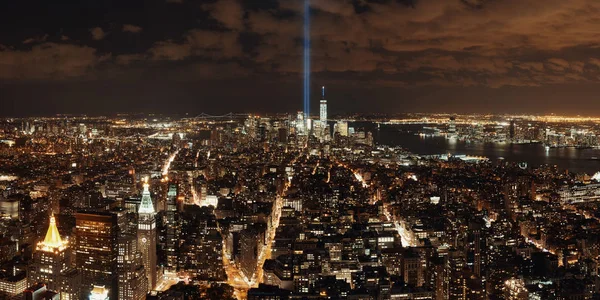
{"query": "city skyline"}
(427, 206)
(300, 149)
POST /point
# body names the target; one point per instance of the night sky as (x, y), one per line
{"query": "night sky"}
(184, 56)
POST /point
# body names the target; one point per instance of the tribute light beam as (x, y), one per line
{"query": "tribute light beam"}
(306, 60)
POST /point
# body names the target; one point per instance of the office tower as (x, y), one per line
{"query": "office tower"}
(323, 108)
(282, 135)
(147, 236)
(96, 250)
(473, 247)
(342, 128)
(324, 129)
(251, 243)
(511, 199)
(412, 268)
(300, 124)
(70, 284)
(454, 279)
(202, 254)
(51, 265)
(262, 133)
(50, 258)
(133, 284)
(173, 229)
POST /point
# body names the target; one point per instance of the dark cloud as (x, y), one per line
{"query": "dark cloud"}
(385, 43)
(132, 28)
(97, 33)
(48, 61)
(440, 38)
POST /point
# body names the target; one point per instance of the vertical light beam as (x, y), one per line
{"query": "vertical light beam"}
(306, 59)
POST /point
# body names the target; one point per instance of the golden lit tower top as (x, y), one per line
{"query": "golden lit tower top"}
(52, 242)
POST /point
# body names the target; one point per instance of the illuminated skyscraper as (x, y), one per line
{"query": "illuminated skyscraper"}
(96, 250)
(147, 236)
(51, 262)
(172, 229)
(300, 124)
(323, 108)
(133, 284)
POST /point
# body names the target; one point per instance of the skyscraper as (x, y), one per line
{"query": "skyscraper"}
(300, 124)
(133, 284)
(172, 229)
(51, 262)
(323, 108)
(147, 236)
(96, 250)
(50, 258)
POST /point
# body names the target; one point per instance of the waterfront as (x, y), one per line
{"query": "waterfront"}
(575, 160)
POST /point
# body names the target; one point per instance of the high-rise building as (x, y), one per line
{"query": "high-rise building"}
(50, 258)
(300, 124)
(173, 229)
(147, 236)
(133, 284)
(202, 255)
(251, 243)
(342, 128)
(454, 279)
(51, 265)
(412, 268)
(96, 250)
(323, 108)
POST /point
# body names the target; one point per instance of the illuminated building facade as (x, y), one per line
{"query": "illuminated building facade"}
(133, 284)
(96, 250)
(51, 265)
(323, 108)
(13, 285)
(147, 236)
(173, 229)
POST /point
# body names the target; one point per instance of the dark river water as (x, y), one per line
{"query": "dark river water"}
(575, 160)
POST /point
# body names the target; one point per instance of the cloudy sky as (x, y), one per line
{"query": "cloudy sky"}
(192, 56)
